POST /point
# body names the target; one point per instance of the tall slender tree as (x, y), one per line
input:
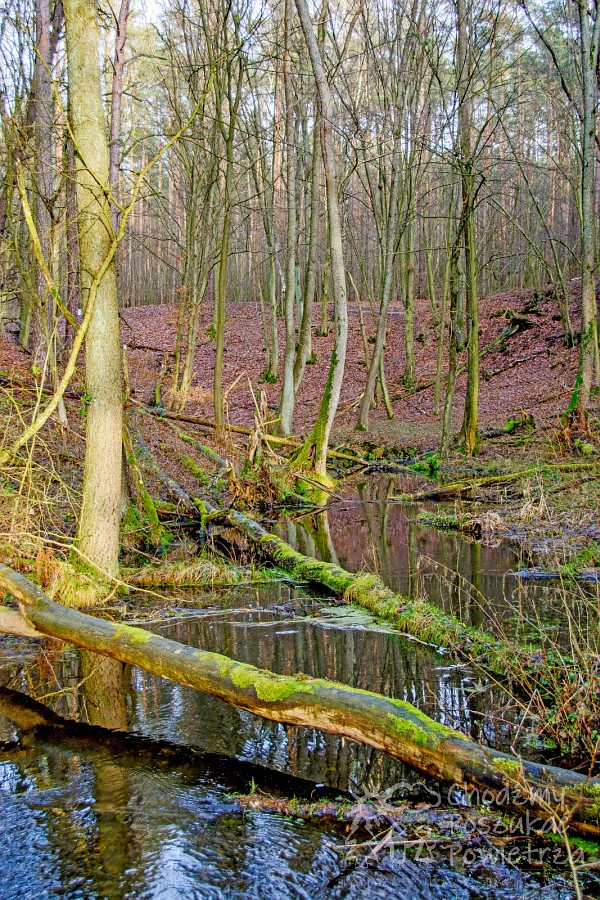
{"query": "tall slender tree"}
(98, 531)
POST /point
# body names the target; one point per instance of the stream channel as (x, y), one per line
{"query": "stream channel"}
(150, 811)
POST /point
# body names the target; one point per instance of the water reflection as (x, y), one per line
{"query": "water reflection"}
(83, 818)
(471, 579)
(166, 825)
(112, 818)
(321, 641)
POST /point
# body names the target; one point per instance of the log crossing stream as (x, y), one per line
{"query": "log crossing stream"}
(80, 820)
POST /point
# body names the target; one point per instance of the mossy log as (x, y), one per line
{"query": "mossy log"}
(181, 498)
(241, 429)
(394, 726)
(208, 453)
(469, 485)
(517, 663)
(416, 618)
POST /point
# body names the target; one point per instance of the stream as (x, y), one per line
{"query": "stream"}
(158, 817)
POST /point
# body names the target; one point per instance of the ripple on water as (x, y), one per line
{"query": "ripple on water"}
(78, 826)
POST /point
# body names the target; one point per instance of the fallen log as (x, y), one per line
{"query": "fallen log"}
(12, 622)
(241, 429)
(394, 726)
(211, 455)
(517, 663)
(466, 486)
(414, 618)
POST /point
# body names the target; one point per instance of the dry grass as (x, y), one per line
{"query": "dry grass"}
(200, 573)
(71, 587)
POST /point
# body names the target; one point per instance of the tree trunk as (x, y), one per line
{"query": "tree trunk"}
(408, 296)
(467, 162)
(386, 287)
(98, 531)
(234, 93)
(116, 104)
(72, 247)
(287, 398)
(588, 350)
(41, 318)
(310, 280)
(319, 437)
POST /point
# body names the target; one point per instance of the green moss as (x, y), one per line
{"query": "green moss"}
(313, 494)
(268, 687)
(196, 470)
(130, 521)
(362, 585)
(509, 767)
(423, 720)
(224, 665)
(429, 465)
(590, 847)
(411, 731)
(592, 789)
(273, 691)
(132, 635)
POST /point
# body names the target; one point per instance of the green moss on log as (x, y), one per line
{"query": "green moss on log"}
(425, 722)
(416, 617)
(410, 731)
(132, 634)
(509, 767)
(268, 688)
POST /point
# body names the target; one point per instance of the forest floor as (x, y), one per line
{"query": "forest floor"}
(553, 514)
(531, 371)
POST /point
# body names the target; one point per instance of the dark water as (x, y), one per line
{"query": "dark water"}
(279, 629)
(83, 824)
(85, 818)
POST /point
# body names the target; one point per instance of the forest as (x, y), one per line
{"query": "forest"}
(299, 448)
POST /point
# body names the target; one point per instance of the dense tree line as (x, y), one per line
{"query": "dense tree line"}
(291, 157)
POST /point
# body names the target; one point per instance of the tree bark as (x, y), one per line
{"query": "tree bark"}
(390, 255)
(310, 280)
(287, 398)
(588, 349)
(98, 531)
(467, 163)
(319, 437)
(116, 105)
